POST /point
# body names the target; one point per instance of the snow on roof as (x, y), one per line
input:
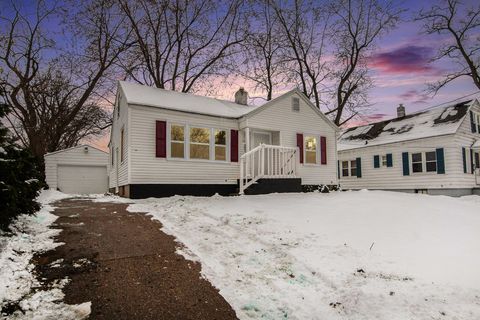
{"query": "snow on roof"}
(423, 124)
(186, 102)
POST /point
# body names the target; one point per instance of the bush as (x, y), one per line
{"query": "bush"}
(19, 178)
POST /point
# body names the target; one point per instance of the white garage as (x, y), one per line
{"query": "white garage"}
(77, 170)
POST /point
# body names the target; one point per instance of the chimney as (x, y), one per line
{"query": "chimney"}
(401, 111)
(241, 96)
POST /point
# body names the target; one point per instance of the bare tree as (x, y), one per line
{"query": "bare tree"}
(304, 28)
(262, 54)
(180, 43)
(56, 95)
(357, 25)
(462, 25)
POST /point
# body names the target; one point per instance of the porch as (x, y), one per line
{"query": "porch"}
(267, 162)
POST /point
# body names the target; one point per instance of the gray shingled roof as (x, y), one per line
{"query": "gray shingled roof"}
(429, 123)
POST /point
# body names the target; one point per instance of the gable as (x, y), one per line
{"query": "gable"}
(282, 106)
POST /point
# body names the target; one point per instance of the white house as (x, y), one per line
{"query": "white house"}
(434, 151)
(79, 170)
(165, 142)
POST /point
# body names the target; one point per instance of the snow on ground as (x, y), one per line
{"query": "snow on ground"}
(343, 255)
(17, 282)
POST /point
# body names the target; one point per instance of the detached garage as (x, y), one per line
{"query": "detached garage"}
(77, 170)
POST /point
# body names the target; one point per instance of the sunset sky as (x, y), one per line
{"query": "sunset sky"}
(400, 67)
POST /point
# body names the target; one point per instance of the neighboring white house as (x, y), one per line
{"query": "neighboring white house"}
(165, 142)
(434, 151)
(79, 170)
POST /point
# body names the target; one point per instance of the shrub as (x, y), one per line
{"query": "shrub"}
(19, 178)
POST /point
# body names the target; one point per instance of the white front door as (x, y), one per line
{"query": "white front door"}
(258, 139)
(261, 137)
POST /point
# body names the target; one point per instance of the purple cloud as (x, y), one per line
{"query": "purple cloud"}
(415, 96)
(406, 59)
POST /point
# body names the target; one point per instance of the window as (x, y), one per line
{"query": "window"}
(344, 168)
(118, 105)
(384, 160)
(220, 145)
(199, 143)
(111, 155)
(121, 144)
(177, 141)
(431, 161)
(478, 122)
(310, 149)
(353, 168)
(417, 162)
(296, 104)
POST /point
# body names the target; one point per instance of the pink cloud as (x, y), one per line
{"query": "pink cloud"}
(405, 59)
(415, 96)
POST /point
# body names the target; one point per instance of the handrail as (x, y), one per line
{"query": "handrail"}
(267, 161)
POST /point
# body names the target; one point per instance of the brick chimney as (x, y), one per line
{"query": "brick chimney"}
(241, 96)
(401, 111)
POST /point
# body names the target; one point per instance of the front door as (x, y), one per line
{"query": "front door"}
(258, 139)
(261, 137)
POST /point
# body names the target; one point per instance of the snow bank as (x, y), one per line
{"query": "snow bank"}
(32, 235)
(354, 255)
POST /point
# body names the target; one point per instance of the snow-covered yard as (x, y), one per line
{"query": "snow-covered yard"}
(343, 255)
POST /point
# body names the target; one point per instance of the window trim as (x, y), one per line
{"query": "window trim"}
(349, 168)
(169, 140)
(318, 150)
(423, 162)
(186, 153)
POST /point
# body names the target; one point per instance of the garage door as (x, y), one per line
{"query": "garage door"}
(82, 179)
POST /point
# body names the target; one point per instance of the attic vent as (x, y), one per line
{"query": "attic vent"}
(296, 104)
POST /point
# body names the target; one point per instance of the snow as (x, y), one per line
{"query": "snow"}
(31, 235)
(415, 126)
(167, 99)
(343, 255)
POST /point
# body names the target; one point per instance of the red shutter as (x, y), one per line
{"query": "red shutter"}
(323, 150)
(161, 139)
(300, 145)
(234, 145)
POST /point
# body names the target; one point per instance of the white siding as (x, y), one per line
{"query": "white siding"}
(465, 138)
(281, 117)
(392, 178)
(74, 156)
(145, 168)
(119, 122)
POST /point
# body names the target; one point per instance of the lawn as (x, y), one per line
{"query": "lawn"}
(343, 255)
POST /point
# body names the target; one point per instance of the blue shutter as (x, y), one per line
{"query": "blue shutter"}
(359, 167)
(338, 168)
(464, 157)
(471, 160)
(472, 122)
(440, 161)
(376, 161)
(389, 160)
(406, 165)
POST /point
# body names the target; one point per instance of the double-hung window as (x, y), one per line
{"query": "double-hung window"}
(384, 160)
(431, 161)
(177, 141)
(353, 168)
(311, 149)
(417, 165)
(344, 168)
(424, 162)
(199, 143)
(220, 144)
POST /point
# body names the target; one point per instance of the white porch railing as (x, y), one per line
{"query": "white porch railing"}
(267, 161)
